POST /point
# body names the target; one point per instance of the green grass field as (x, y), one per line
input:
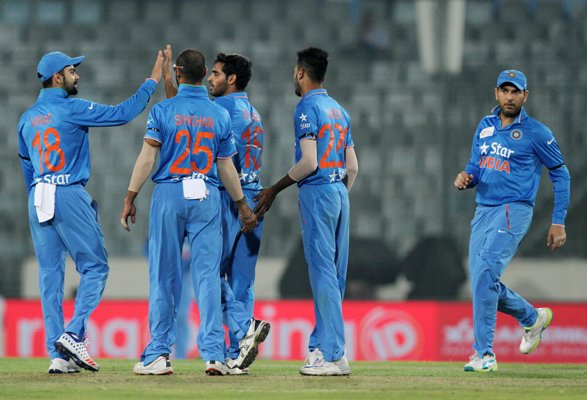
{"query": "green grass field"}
(27, 378)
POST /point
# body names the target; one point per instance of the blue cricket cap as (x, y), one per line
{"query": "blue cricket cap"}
(55, 62)
(516, 78)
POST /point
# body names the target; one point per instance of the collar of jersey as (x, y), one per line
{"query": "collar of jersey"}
(242, 95)
(192, 90)
(521, 116)
(53, 92)
(314, 92)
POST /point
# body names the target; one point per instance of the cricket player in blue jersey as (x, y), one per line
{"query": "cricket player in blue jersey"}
(53, 144)
(508, 152)
(192, 136)
(228, 79)
(325, 169)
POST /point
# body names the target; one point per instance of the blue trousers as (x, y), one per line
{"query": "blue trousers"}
(237, 270)
(496, 233)
(172, 218)
(324, 218)
(74, 229)
(184, 331)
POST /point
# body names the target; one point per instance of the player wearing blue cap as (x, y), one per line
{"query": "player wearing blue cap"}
(325, 169)
(508, 152)
(54, 150)
(194, 139)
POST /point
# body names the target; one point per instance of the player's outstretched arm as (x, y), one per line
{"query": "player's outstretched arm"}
(88, 113)
(170, 89)
(463, 180)
(229, 177)
(304, 167)
(157, 67)
(140, 173)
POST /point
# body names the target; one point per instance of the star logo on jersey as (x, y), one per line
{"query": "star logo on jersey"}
(303, 118)
(243, 177)
(484, 148)
(333, 176)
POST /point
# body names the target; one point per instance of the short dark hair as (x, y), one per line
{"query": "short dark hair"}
(48, 83)
(193, 65)
(314, 61)
(237, 65)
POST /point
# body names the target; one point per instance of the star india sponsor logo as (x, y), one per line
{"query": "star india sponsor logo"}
(492, 157)
(304, 124)
(61, 179)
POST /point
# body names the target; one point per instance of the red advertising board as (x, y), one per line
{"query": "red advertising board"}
(374, 331)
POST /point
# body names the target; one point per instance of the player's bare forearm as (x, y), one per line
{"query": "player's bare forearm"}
(128, 210)
(246, 215)
(158, 67)
(170, 89)
(352, 168)
(266, 197)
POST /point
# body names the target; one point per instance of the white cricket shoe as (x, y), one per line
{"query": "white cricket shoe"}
(313, 356)
(249, 345)
(61, 366)
(160, 366)
(478, 364)
(321, 367)
(215, 368)
(233, 369)
(533, 334)
(74, 347)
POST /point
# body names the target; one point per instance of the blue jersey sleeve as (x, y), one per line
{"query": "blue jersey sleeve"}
(305, 123)
(154, 128)
(546, 148)
(226, 145)
(349, 135)
(88, 113)
(561, 186)
(549, 154)
(473, 164)
(25, 159)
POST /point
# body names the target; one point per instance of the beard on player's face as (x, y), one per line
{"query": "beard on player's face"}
(218, 89)
(70, 86)
(297, 86)
(510, 109)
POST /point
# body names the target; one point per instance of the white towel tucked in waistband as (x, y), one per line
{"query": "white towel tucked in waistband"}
(194, 189)
(45, 201)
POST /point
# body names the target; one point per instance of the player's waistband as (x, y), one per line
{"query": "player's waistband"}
(521, 202)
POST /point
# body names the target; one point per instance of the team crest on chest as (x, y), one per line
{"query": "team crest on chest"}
(516, 134)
